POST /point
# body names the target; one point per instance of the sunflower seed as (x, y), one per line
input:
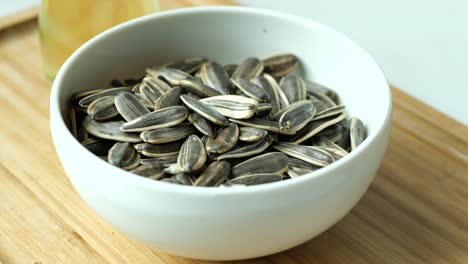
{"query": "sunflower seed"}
(298, 163)
(281, 65)
(173, 76)
(97, 146)
(327, 101)
(333, 133)
(129, 106)
(198, 88)
(357, 132)
(330, 146)
(183, 179)
(77, 96)
(204, 110)
(166, 117)
(160, 160)
(87, 100)
(173, 169)
(235, 106)
(103, 108)
(201, 124)
(294, 88)
(314, 127)
(153, 88)
(251, 134)
(109, 130)
(262, 82)
(192, 155)
(256, 179)
(260, 123)
(159, 150)
(188, 65)
(136, 88)
(215, 174)
(263, 109)
(273, 163)
(169, 98)
(153, 171)
(167, 134)
(297, 115)
(295, 172)
(283, 99)
(332, 111)
(248, 69)
(229, 69)
(147, 103)
(314, 87)
(249, 150)
(252, 90)
(213, 75)
(312, 155)
(124, 156)
(344, 141)
(224, 141)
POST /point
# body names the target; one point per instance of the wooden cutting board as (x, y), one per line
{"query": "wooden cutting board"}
(416, 211)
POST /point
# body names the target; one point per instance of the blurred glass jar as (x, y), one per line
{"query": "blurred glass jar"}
(66, 25)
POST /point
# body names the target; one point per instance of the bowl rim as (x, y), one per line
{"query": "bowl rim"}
(58, 124)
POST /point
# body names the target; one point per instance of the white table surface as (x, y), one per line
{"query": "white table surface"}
(421, 45)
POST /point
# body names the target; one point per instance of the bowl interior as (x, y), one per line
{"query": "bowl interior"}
(229, 35)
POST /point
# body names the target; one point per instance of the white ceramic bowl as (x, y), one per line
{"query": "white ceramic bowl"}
(224, 223)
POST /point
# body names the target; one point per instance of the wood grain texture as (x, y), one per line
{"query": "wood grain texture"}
(414, 212)
(18, 18)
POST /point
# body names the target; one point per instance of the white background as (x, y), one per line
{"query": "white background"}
(421, 45)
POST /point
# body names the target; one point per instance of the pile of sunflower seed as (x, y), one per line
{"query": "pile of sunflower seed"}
(196, 122)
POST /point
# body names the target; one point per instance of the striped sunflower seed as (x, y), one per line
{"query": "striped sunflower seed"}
(167, 134)
(225, 140)
(159, 150)
(250, 89)
(310, 154)
(97, 146)
(283, 98)
(235, 106)
(160, 160)
(124, 156)
(256, 179)
(271, 163)
(272, 126)
(248, 69)
(129, 107)
(198, 88)
(169, 98)
(166, 117)
(214, 175)
(249, 150)
(357, 132)
(262, 82)
(201, 124)
(171, 75)
(204, 110)
(213, 75)
(281, 65)
(153, 171)
(86, 101)
(109, 130)
(297, 115)
(192, 155)
(313, 127)
(251, 134)
(294, 88)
